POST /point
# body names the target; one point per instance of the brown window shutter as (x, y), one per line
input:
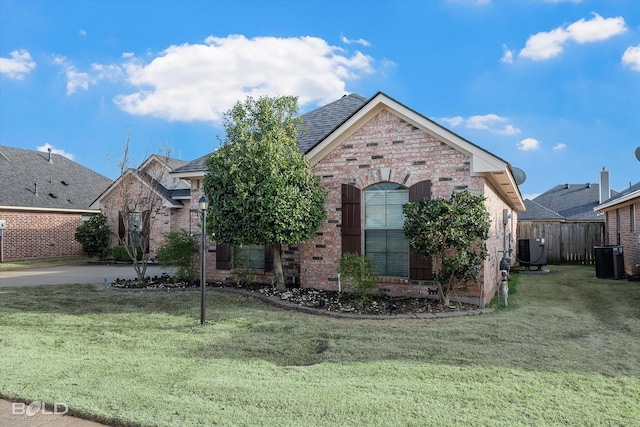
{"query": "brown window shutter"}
(121, 229)
(268, 258)
(351, 220)
(223, 257)
(420, 267)
(146, 230)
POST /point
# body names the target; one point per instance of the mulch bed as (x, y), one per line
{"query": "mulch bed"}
(330, 301)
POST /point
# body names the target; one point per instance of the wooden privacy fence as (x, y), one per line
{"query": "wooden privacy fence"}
(570, 242)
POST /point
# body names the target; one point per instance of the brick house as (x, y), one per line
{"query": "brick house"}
(44, 197)
(156, 201)
(621, 225)
(372, 156)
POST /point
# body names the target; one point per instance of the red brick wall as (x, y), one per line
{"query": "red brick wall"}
(619, 223)
(32, 234)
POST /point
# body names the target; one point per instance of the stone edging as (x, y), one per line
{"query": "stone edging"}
(277, 302)
(311, 310)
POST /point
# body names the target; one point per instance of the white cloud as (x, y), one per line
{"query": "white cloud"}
(362, 42)
(202, 81)
(81, 80)
(453, 121)
(559, 146)
(631, 57)
(546, 45)
(489, 122)
(45, 148)
(597, 29)
(529, 144)
(507, 56)
(82, 33)
(75, 79)
(18, 65)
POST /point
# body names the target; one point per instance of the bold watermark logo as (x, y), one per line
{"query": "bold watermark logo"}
(37, 408)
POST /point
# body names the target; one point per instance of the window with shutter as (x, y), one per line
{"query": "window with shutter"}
(384, 238)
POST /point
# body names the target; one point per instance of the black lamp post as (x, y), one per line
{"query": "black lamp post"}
(204, 205)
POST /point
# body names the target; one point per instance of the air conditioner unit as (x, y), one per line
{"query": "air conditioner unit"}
(532, 252)
(609, 262)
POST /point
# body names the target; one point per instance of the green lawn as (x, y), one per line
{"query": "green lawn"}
(565, 352)
(42, 262)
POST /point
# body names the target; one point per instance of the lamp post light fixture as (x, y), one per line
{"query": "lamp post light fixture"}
(204, 205)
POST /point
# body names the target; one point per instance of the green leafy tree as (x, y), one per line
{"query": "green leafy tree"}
(93, 235)
(179, 250)
(453, 232)
(261, 187)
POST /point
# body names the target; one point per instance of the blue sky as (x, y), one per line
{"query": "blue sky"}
(553, 87)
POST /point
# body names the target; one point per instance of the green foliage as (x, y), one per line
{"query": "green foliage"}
(360, 274)
(453, 232)
(93, 235)
(120, 253)
(179, 250)
(261, 187)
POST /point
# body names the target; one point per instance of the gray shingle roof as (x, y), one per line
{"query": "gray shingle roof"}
(572, 202)
(319, 123)
(316, 125)
(61, 183)
(196, 165)
(629, 190)
(536, 211)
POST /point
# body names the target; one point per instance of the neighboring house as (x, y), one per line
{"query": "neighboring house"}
(621, 226)
(152, 200)
(44, 197)
(564, 217)
(372, 156)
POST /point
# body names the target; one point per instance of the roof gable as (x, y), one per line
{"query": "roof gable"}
(484, 163)
(166, 187)
(37, 180)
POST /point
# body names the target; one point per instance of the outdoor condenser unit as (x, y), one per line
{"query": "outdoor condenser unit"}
(531, 252)
(609, 262)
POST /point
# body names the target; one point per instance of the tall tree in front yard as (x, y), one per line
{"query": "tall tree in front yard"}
(260, 186)
(136, 200)
(454, 233)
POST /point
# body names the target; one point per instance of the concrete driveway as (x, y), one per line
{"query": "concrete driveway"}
(73, 274)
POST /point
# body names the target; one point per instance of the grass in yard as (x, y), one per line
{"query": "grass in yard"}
(42, 262)
(565, 351)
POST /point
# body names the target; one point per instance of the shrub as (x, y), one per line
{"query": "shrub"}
(360, 274)
(178, 251)
(93, 235)
(120, 253)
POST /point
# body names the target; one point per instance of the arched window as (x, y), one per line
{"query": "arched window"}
(384, 239)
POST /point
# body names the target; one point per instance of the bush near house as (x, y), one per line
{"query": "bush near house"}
(179, 250)
(120, 253)
(93, 235)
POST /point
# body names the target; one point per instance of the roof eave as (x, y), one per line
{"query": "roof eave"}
(619, 200)
(42, 209)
